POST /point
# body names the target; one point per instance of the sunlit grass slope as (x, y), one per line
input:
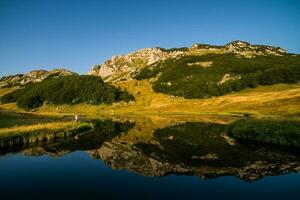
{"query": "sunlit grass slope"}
(279, 99)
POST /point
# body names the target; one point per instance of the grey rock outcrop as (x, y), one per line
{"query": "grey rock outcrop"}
(124, 66)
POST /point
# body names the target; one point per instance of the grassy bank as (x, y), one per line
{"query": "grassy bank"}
(29, 134)
(11, 119)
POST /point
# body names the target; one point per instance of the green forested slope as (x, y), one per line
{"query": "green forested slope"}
(67, 90)
(217, 74)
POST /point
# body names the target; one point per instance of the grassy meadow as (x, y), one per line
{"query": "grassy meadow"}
(278, 100)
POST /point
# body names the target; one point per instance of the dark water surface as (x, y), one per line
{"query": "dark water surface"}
(183, 161)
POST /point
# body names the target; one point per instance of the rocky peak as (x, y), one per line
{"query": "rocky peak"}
(122, 66)
(32, 76)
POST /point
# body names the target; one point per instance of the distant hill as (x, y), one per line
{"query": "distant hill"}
(202, 70)
(32, 77)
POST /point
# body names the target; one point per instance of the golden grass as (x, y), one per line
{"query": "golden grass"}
(46, 127)
(280, 99)
(4, 91)
(32, 134)
(198, 52)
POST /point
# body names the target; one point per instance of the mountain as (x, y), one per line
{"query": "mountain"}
(32, 77)
(203, 70)
(125, 66)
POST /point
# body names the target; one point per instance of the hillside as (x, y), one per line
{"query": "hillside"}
(218, 74)
(66, 90)
(204, 71)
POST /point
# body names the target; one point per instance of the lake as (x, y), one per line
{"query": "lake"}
(157, 158)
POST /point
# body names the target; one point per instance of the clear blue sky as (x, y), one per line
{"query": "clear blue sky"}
(77, 34)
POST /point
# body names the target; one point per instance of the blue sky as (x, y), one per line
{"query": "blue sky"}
(77, 34)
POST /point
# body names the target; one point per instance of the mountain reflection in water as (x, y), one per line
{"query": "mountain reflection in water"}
(160, 148)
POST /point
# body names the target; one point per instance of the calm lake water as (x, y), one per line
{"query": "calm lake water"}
(192, 160)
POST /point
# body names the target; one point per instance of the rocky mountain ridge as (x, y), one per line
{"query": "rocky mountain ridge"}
(125, 66)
